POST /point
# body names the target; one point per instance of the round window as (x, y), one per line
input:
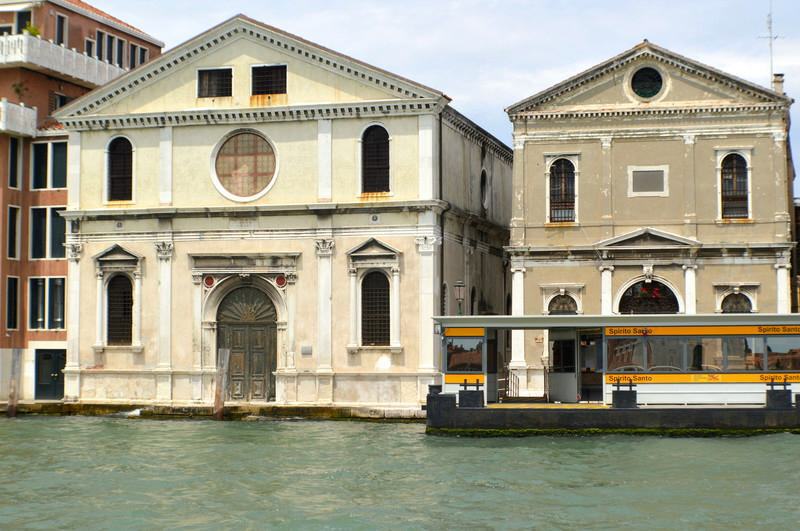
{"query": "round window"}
(245, 165)
(646, 82)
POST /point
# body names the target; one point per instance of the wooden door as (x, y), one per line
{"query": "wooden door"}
(248, 329)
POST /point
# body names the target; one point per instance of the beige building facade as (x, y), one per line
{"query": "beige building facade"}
(649, 183)
(254, 199)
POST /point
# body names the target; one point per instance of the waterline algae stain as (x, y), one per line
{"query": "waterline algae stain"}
(92, 473)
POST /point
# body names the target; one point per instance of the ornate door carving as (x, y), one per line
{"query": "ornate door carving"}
(247, 326)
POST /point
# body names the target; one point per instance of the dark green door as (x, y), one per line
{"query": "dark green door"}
(247, 327)
(49, 375)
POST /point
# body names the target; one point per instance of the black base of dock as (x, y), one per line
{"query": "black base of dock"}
(444, 418)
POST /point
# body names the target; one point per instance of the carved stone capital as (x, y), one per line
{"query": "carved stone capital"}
(291, 278)
(197, 278)
(325, 246)
(603, 268)
(74, 251)
(426, 244)
(164, 250)
(605, 142)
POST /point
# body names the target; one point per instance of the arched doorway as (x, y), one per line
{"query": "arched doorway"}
(247, 325)
(648, 297)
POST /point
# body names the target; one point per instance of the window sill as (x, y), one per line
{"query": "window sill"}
(393, 349)
(135, 349)
(120, 203)
(734, 221)
(559, 224)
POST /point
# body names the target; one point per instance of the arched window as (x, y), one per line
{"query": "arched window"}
(648, 297)
(562, 305)
(120, 170)
(120, 310)
(375, 160)
(736, 303)
(562, 191)
(734, 187)
(375, 309)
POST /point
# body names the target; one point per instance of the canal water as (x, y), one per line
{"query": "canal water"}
(101, 473)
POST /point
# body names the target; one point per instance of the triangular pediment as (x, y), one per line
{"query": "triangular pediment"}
(315, 75)
(116, 254)
(688, 83)
(648, 238)
(373, 248)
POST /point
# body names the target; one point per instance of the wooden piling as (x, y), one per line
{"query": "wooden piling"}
(221, 383)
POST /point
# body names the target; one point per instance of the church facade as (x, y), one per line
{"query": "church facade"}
(648, 184)
(257, 203)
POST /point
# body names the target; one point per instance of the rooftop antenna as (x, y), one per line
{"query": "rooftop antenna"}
(772, 38)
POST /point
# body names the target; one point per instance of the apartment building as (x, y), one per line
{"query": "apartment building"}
(51, 52)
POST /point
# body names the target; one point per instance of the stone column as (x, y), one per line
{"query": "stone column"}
(517, 309)
(426, 274)
(164, 381)
(99, 340)
(606, 183)
(197, 342)
(324, 170)
(394, 312)
(137, 312)
(606, 290)
(291, 305)
(784, 301)
(690, 187)
(165, 167)
(427, 153)
(72, 368)
(324, 316)
(73, 171)
(352, 341)
(689, 277)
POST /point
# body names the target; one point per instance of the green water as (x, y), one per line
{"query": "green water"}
(99, 473)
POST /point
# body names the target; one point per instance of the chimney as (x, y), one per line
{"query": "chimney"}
(777, 83)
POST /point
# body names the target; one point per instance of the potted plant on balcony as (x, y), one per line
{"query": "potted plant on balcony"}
(31, 30)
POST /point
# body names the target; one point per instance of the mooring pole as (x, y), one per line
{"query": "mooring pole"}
(220, 383)
(13, 389)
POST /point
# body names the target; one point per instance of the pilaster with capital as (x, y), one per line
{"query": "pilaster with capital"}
(427, 289)
(324, 251)
(606, 289)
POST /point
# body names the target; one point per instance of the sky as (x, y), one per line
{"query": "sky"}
(487, 55)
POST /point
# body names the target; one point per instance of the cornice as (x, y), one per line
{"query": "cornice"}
(627, 112)
(252, 115)
(255, 210)
(477, 134)
(606, 134)
(242, 27)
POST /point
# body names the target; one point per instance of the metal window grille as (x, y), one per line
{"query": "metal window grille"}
(120, 311)
(120, 170)
(562, 191)
(562, 305)
(245, 164)
(648, 297)
(375, 309)
(217, 83)
(375, 160)
(736, 303)
(269, 80)
(734, 187)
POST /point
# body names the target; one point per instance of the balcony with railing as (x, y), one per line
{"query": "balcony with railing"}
(40, 54)
(17, 119)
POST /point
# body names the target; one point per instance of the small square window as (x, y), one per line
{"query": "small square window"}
(215, 83)
(648, 181)
(269, 80)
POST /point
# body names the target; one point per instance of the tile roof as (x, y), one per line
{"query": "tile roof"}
(80, 4)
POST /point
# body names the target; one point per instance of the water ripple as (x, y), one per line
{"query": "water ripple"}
(97, 473)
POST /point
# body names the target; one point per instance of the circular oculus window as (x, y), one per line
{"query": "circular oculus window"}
(245, 165)
(647, 82)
